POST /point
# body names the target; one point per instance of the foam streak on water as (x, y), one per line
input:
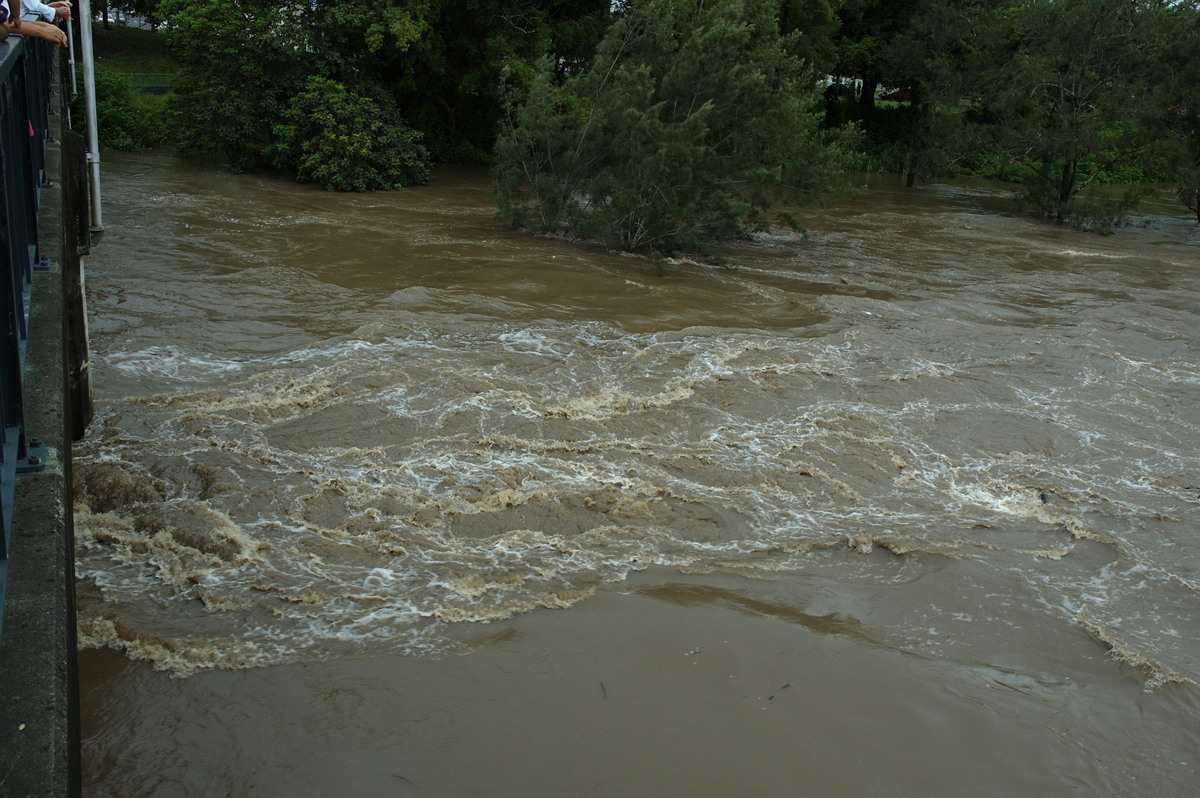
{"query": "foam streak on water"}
(352, 492)
(481, 433)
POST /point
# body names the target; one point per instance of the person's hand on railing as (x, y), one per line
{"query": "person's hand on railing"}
(40, 30)
(62, 10)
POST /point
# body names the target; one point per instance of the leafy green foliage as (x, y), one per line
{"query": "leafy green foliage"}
(1066, 94)
(639, 144)
(691, 124)
(808, 27)
(887, 133)
(1180, 98)
(867, 27)
(442, 59)
(944, 46)
(121, 123)
(253, 86)
(347, 142)
(1069, 103)
(240, 63)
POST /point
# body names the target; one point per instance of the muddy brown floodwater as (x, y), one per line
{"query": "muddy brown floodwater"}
(384, 499)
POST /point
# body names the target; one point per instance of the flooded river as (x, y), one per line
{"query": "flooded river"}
(383, 499)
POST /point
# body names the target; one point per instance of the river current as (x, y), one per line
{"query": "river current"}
(383, 498)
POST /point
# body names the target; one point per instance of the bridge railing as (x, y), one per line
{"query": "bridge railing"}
(26, 68)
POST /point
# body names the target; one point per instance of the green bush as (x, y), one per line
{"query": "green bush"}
(121, 124)
(883, 157)
(347, 142)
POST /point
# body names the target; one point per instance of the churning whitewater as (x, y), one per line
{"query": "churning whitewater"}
(355, 426)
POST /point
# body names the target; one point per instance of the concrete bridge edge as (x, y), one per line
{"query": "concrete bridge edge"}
(39, 714)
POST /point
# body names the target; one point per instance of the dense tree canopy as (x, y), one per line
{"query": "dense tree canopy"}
(241, 62)
(1056, 94)
(1062, 94)
(936, 55)
(1072, 100)
(441, 59)
(431, 64)
(1180, 99)
(692, 121)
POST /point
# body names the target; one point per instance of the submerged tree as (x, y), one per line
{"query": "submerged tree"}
(1069, 105)
(693, 123)
(1187, 155)
(347, 142)
(1181, 99)
(938, 55)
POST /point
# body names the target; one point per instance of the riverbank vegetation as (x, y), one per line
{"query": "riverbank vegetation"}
(651, 149)
(590, 129)
(133, 70)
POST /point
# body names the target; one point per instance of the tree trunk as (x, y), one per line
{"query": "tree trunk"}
(1066, 187)
(866, 100)
(1044, 169)
(918, 143)
(451, 116)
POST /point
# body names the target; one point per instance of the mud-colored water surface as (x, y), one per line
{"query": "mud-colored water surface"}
(385, 499)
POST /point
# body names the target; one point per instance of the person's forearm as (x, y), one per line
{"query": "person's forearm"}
(43, 30)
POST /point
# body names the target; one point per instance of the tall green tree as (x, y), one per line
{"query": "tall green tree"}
(1181, 99)
(809, 27)
(1069, 104)
(940, 54)
(693, 123)
(442, 59)
(240, 63)
(867, 29)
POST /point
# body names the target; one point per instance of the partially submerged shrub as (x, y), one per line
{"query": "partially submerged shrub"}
(347, 142)
(695, 122)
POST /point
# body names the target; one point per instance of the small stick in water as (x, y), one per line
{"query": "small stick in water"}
(603, 690)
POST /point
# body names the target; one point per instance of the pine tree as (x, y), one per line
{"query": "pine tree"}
(692, 124)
